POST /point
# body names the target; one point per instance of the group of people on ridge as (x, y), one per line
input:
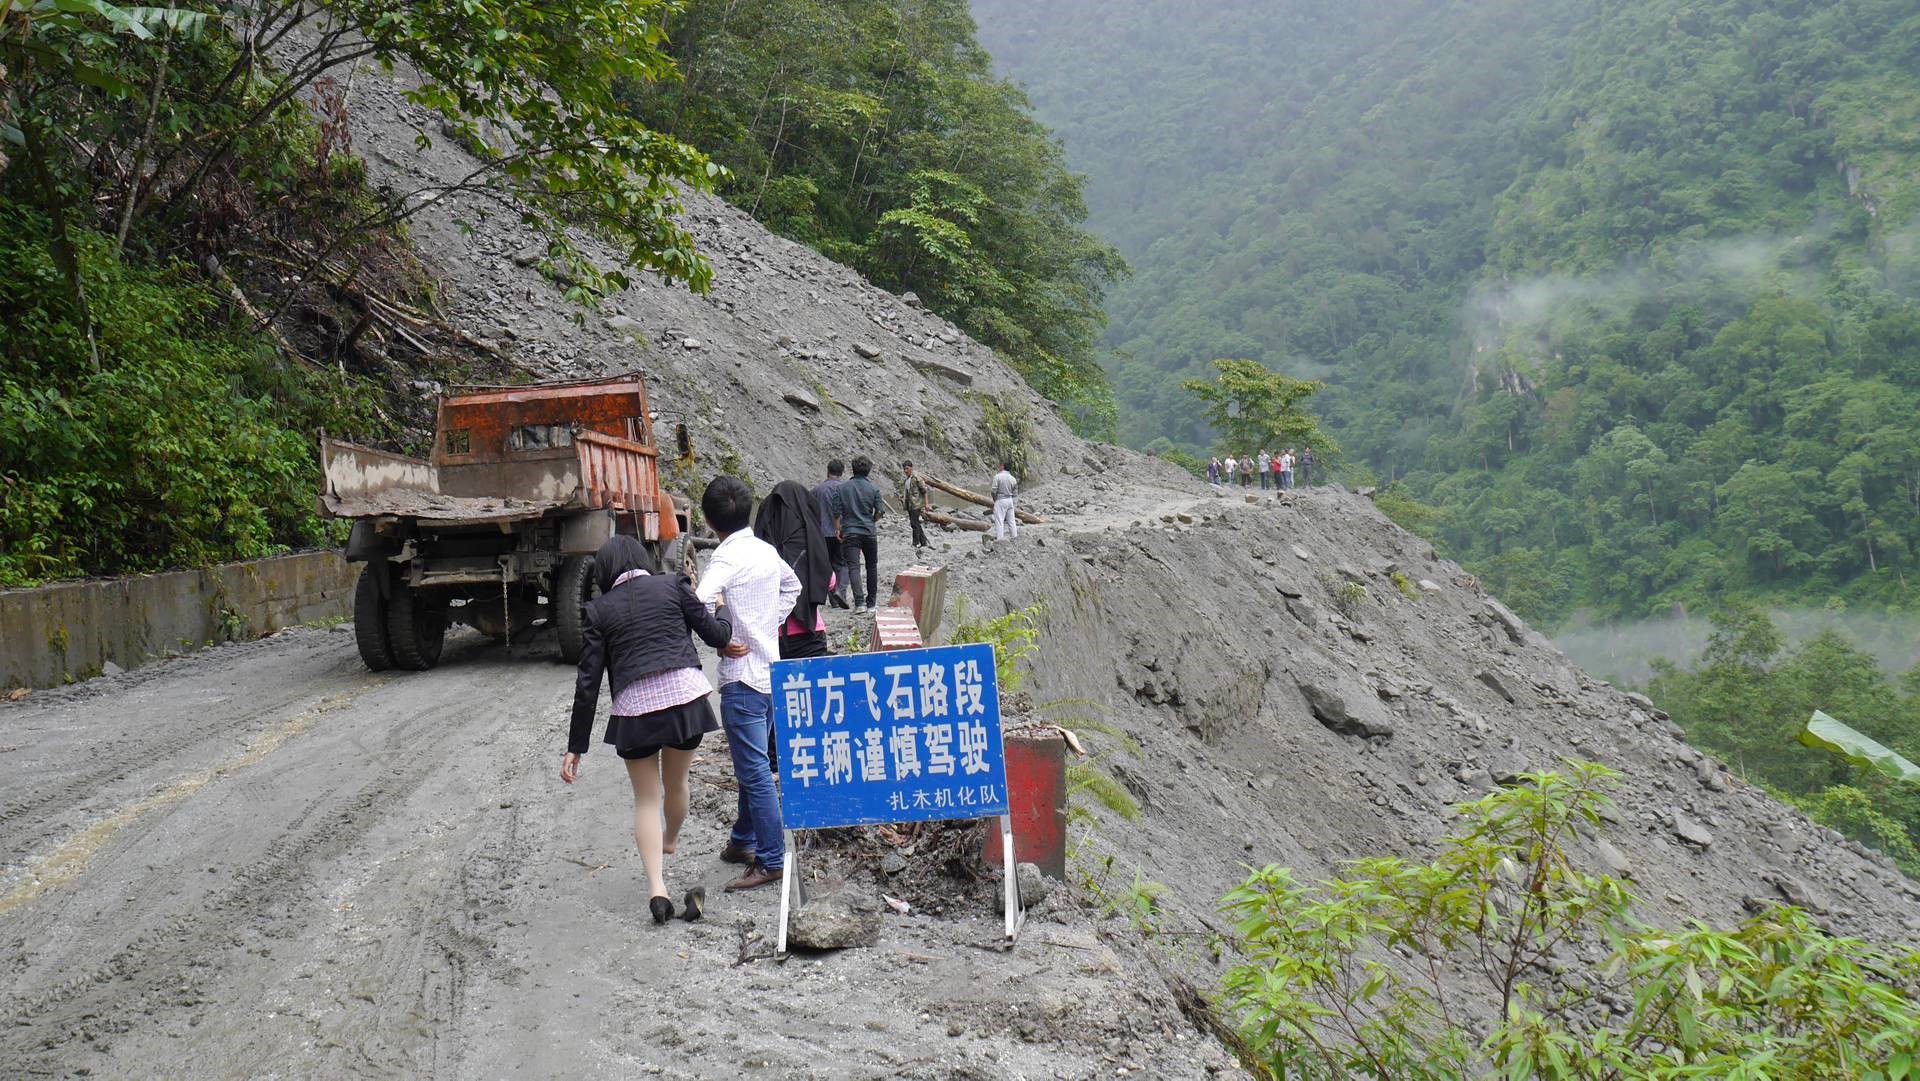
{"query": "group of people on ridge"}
(1274, 470)
(759, 598)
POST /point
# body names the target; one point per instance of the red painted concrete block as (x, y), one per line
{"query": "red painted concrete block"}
(1037, 790)
(895, 628)
(923, 590)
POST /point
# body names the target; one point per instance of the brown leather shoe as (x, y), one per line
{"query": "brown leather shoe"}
(731, 854)
(757, 876)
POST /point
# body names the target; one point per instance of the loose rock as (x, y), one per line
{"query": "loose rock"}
(1331, 710)
(835, 922)
(1691, 832)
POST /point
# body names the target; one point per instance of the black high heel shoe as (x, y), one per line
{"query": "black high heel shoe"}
(662, 909)
(696, 904)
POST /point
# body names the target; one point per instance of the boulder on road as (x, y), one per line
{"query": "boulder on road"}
(836, 921)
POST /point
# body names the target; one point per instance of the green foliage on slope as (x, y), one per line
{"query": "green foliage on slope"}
(1750, 696)
(1372, 973)
(1625, 292)
(877, 132)
(193, 274)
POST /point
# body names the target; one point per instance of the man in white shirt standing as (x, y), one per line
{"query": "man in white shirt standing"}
(1005, 523)
(758, 589)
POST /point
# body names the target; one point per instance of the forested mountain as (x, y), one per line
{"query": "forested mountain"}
(1623, 293)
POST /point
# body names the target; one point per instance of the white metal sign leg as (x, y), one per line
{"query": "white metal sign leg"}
(1016, 915)
(786, 895)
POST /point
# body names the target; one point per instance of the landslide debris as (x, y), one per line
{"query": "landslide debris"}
(1293, 700)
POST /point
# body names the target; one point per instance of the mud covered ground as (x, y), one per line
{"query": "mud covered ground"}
(263, 861)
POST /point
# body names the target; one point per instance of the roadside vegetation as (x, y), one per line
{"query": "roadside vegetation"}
(1376, 973)
(1750, 696)
(194, 275)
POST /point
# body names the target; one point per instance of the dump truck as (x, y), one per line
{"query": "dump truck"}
(496, 529)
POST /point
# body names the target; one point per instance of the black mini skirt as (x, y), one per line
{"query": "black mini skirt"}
(670, 727)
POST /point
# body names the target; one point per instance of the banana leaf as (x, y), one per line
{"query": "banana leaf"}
(1828, 734)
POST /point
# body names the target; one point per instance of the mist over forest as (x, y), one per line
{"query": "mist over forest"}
(1620, 299)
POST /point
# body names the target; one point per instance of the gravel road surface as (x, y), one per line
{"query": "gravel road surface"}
(263, 861)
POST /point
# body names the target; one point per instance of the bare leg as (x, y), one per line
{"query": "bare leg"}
(645, 775)
(673, 771)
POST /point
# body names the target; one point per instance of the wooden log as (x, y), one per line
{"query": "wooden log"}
(958, 492)
(937, 518)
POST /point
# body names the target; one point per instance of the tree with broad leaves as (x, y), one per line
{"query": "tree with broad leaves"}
(1251, 407)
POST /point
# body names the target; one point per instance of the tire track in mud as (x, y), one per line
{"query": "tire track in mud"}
(178, 967)
(111, 762)
(70, 859)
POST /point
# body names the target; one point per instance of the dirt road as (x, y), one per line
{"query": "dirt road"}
(263, 861)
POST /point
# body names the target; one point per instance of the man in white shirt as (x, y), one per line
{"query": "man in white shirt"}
(758, 589)
(1005, 523)
(1266, 463)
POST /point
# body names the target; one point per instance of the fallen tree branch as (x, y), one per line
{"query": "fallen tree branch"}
(211, 265)
(955, 523)
(958, 492)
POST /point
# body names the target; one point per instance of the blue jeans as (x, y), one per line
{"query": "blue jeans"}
(746, 714)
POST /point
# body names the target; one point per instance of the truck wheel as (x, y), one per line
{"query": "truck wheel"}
(370, 619)
(678, 556)
(416, 628)
(572, 589)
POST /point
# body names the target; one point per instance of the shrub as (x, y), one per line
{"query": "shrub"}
(181, 446)
(1375, 974)
(1014, 636)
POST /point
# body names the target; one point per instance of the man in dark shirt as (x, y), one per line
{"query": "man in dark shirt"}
(861, 506)
(828, 493)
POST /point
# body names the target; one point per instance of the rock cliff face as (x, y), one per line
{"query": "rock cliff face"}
(790, 359)
(1306, 681)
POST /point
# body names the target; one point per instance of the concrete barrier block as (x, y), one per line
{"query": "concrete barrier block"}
(1037, 790)
(70, 630)
(895, 628)
(922, 590)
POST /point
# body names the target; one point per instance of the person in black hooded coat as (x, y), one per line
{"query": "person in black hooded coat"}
(789, 520)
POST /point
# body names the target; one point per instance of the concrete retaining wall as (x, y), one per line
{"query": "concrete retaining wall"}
(65, 632)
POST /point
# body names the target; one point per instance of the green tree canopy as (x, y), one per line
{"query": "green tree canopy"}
(1253, 409)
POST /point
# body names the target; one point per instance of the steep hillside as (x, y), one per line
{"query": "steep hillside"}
(261, 860)
(1625, 293)
(1201, 625)
(789, 360)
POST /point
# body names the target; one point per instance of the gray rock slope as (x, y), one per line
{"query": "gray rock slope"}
(1274, 727)
(790, 358)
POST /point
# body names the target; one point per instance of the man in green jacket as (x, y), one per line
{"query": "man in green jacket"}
(916, 505)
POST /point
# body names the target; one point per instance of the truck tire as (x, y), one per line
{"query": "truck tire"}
(416, 628)
(677, 557)
(370, 619)
(573, 587)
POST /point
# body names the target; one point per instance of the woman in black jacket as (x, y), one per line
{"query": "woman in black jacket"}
(637, 635)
